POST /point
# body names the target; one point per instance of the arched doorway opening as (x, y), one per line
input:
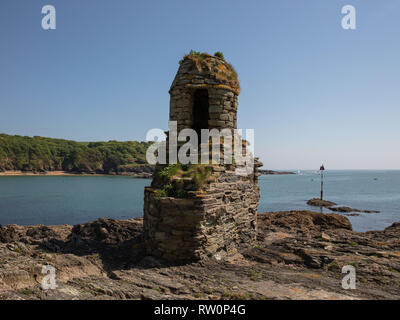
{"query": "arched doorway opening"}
(200, 111)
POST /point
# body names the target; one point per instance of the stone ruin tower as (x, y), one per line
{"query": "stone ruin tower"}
(195, 211)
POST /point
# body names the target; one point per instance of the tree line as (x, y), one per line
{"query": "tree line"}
(48, 154)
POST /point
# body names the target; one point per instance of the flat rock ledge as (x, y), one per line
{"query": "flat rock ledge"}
(332, 206)
(348, 209)
(297, 255)
(320, 203)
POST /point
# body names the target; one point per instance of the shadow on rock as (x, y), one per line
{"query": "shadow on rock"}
(118, 244)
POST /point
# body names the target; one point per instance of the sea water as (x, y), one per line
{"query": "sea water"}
(52, 200)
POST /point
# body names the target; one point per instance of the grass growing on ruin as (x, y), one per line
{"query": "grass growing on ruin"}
(219, 54)
(203, 57)
(173, 175)
(199, 54)
(170, 190)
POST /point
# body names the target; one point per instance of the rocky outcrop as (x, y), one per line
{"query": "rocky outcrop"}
(297, 255)
(320, 203)
(332, 206)
(348, 209)
(304, 221)
(343, 209)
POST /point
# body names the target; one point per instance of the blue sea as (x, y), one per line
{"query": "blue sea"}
(52, 200)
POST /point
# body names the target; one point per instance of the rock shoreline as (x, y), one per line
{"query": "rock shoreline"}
(315, 202)
(298, 255)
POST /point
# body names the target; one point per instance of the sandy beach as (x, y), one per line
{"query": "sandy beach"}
(31, 173)
(65, 173)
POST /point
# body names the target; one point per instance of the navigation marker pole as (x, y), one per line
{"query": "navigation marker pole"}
(322, 168)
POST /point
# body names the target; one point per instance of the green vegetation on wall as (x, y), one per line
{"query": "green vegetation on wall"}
(219, 54)
(171, 178)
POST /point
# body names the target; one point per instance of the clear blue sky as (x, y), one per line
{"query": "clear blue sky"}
(312, 91)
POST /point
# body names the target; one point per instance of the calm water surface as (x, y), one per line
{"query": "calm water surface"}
(74, 199)
(373, 190)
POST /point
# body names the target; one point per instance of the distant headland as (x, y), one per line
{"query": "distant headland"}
(22, 155)
(31, 156)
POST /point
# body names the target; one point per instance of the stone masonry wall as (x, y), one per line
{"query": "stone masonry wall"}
(223, 105)
(212, 223)
(210, 73)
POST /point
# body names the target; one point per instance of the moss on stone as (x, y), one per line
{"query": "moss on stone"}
(172, 179)
(214, 65)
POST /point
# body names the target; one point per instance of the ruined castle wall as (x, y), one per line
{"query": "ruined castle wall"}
(223, 108)
(181, 107)
(223, 105)
(218, 216)
(212, 223)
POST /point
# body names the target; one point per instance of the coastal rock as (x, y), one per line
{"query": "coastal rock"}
(8, 234)
(320, 203)
(107, 231)
(343, 209)
(297, 255)
(348, 209)
(306, 221)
